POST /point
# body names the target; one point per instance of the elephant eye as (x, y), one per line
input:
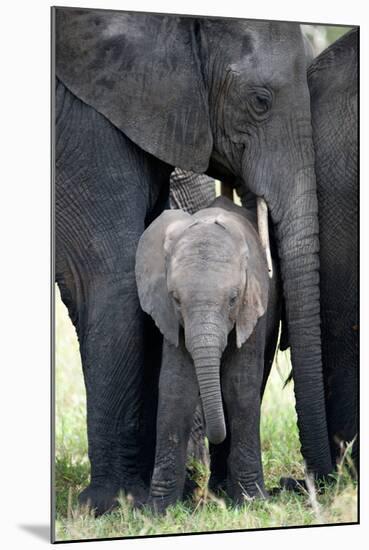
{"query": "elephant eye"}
(233, 299)
(261, 101)
(176, 300)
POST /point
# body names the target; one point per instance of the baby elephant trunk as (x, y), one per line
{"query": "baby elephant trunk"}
(207, 364)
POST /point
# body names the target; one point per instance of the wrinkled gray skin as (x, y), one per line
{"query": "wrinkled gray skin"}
(204, 280)
(137, 95)
(333, 80)
(190, 191)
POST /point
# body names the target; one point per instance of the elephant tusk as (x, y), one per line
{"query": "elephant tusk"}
(263, 228)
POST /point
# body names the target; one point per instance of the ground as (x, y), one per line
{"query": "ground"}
(281, 457)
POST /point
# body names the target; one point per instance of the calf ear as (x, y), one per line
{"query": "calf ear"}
(143, 73)
(153, 247)
(254, 302)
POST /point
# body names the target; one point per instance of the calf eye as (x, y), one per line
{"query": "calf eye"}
(233, 299)
(176, 300)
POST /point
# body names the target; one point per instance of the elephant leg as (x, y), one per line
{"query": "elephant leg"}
(113, 369)
(105, 190)
(197, 452)
(340, 355)
(109, 326)
(218, 463)
(340, 314)
(196, 445)
(242, 374)
(178, 398)
(152, 354)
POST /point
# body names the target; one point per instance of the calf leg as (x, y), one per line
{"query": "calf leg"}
(178, 397)
(242, 375)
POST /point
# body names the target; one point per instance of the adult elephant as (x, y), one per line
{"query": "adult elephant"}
(137, 95)
(189, 191)
(333, 79)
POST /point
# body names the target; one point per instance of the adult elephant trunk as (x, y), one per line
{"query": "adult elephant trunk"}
(281, 170)
(206, 353)
(299, 248)
(296, 222)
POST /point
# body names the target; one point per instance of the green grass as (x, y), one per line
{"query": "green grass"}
(281, 457)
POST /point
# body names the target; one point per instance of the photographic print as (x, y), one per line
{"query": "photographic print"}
(205, 223)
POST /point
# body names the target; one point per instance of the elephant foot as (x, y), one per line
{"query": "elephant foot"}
(291, 484)
(159, 505)
(100, 498)
(217, 485)
(137, 494)
(104, 498)
(300, 486)
(240, 493)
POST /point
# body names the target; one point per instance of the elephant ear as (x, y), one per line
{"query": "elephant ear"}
(255, 300)
(255, 297)
(153, 248)
(143, 73)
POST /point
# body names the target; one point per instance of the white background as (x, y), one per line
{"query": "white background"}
(25, 269)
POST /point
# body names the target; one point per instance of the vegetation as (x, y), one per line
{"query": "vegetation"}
(321, 36)
(336, 503)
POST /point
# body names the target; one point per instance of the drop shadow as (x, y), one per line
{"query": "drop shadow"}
(40, 531)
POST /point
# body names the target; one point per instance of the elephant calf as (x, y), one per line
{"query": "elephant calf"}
(204, 280)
